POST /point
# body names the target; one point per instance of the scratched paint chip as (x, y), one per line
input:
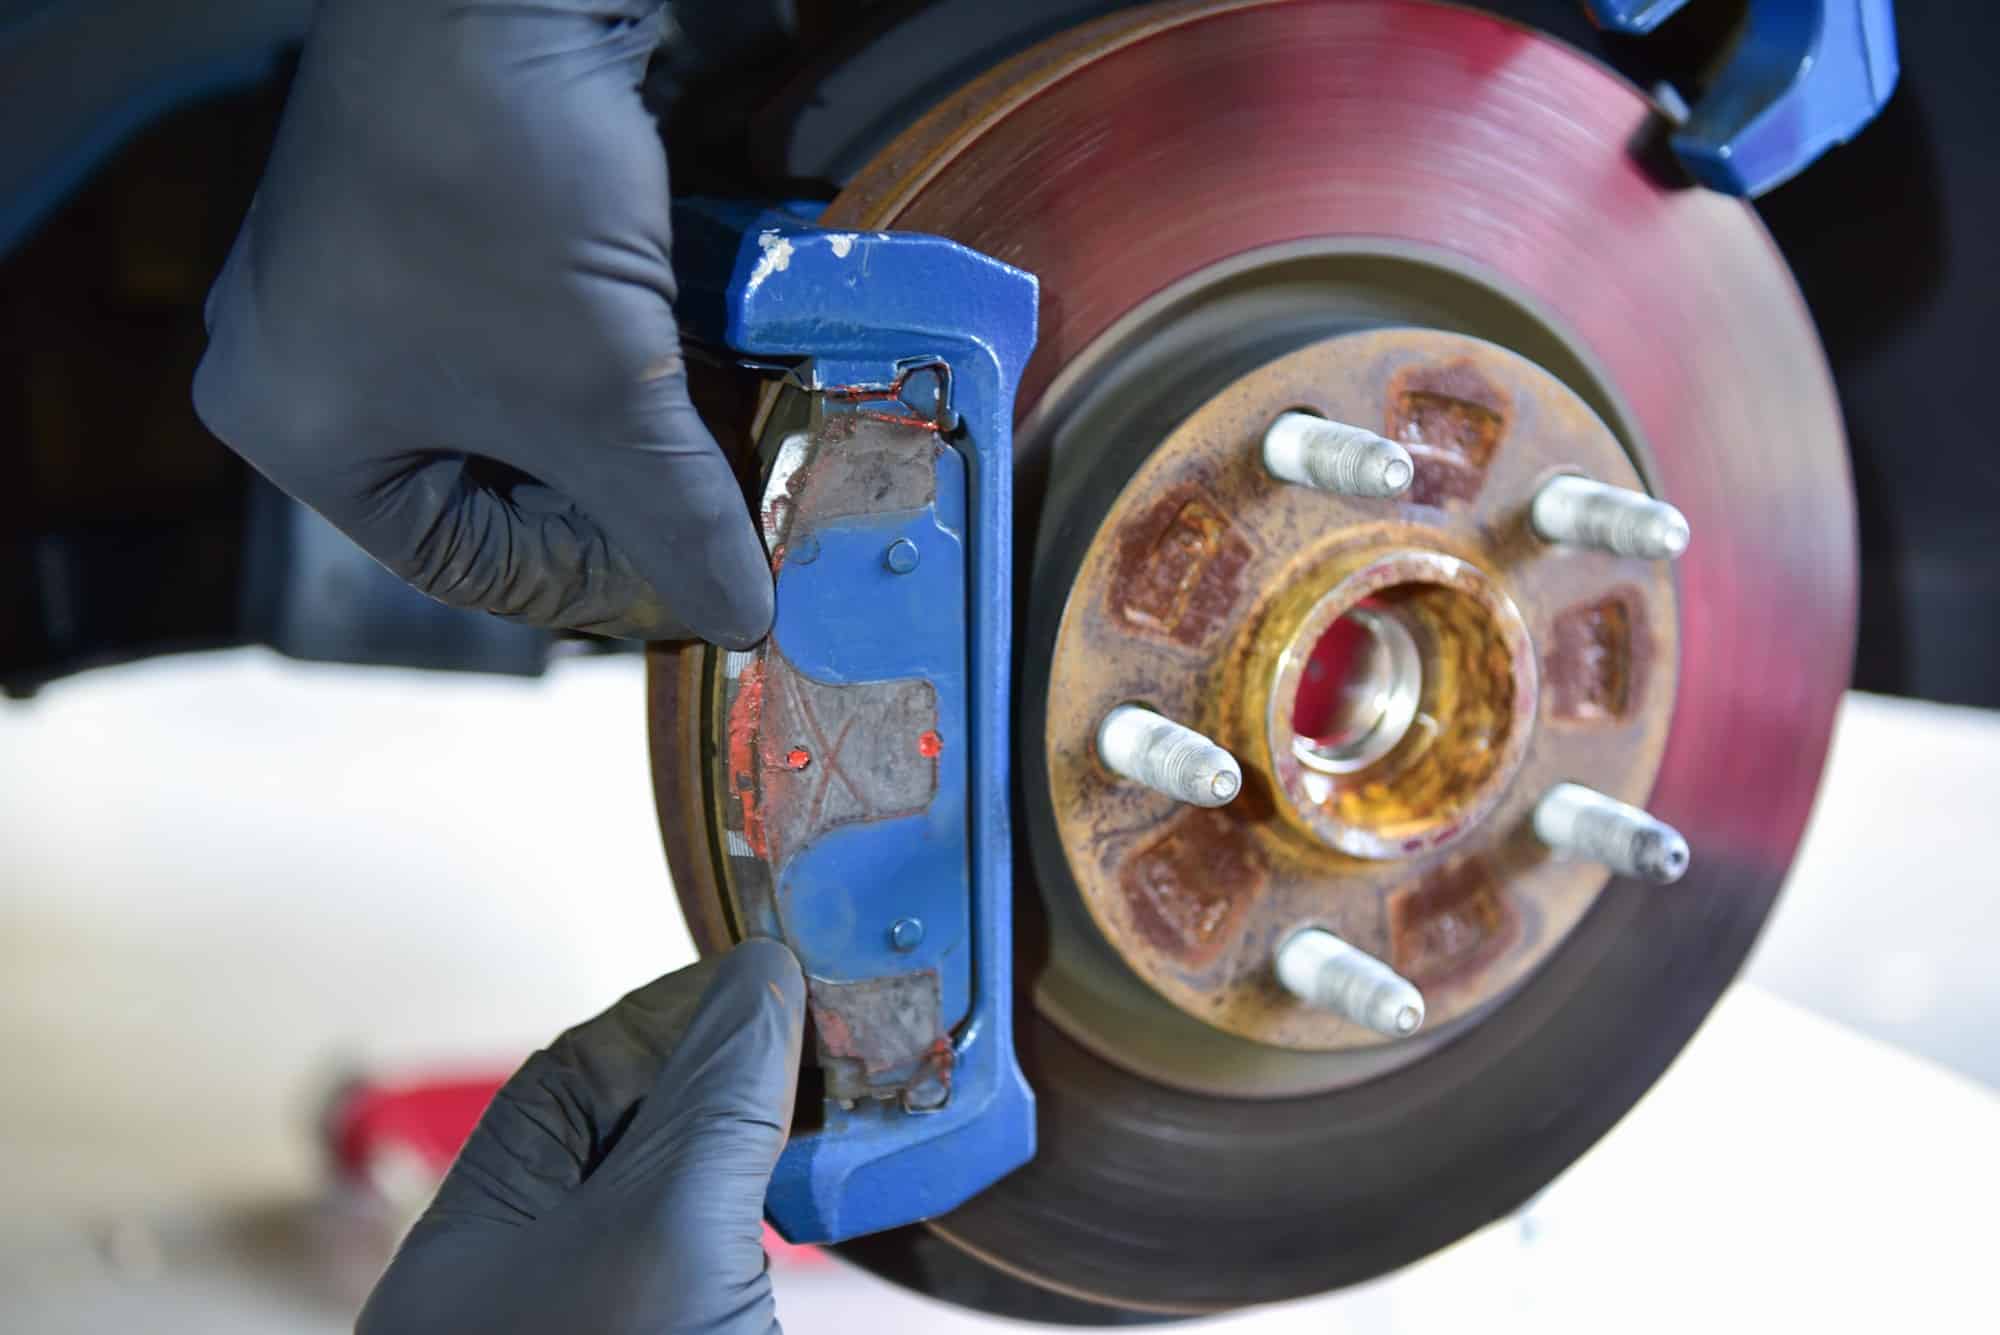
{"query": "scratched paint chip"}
(777, 256)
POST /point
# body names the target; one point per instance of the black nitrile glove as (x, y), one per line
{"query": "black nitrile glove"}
(446, 324)
(616, 1186)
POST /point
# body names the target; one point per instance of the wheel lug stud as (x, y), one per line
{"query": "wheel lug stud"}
(1583, 823)
(1146, 748)
(1579, 512)
(1311, 451)
(1324, 971)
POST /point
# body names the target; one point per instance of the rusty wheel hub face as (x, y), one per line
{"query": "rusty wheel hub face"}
(1452, 664)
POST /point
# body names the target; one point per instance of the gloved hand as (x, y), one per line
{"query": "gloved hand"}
(617, 1182)
(446, 323)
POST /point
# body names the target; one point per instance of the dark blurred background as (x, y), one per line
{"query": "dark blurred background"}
(133, 134)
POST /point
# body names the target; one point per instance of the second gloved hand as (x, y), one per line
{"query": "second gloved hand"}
(616, 1185)
(447, 326)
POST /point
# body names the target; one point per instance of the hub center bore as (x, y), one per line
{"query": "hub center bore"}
(1421, 711)
(1358, 689)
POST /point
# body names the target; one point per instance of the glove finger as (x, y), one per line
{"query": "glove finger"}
(544, 1132)
(509, 546)
(669, 499)
(556, 1119)
(692, 1171)
(723, 1101)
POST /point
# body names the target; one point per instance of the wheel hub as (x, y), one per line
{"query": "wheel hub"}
(1212, 592)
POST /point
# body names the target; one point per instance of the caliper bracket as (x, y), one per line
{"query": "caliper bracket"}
(862, 795)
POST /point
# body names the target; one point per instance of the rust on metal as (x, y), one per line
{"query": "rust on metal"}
(746, 717)
(864, 400)
(682, 762)
(1188, 891)
(1179, 567)
(1451, 923)
(1451, 418)
(882, 1038)
(1475, 713)
(1410, 857)
(1595, 666)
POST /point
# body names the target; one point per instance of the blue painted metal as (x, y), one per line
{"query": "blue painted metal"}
(847, 618)
(1806, 75)
(845, 310)
(1634, 16)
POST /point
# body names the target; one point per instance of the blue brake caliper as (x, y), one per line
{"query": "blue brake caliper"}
(1805, 75)
(861, 786)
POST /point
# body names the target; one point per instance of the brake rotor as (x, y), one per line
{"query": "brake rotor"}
(1221, 201)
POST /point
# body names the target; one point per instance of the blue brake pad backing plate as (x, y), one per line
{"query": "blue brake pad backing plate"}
(848, 738)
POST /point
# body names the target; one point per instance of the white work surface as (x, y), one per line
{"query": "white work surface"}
(229, 878)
